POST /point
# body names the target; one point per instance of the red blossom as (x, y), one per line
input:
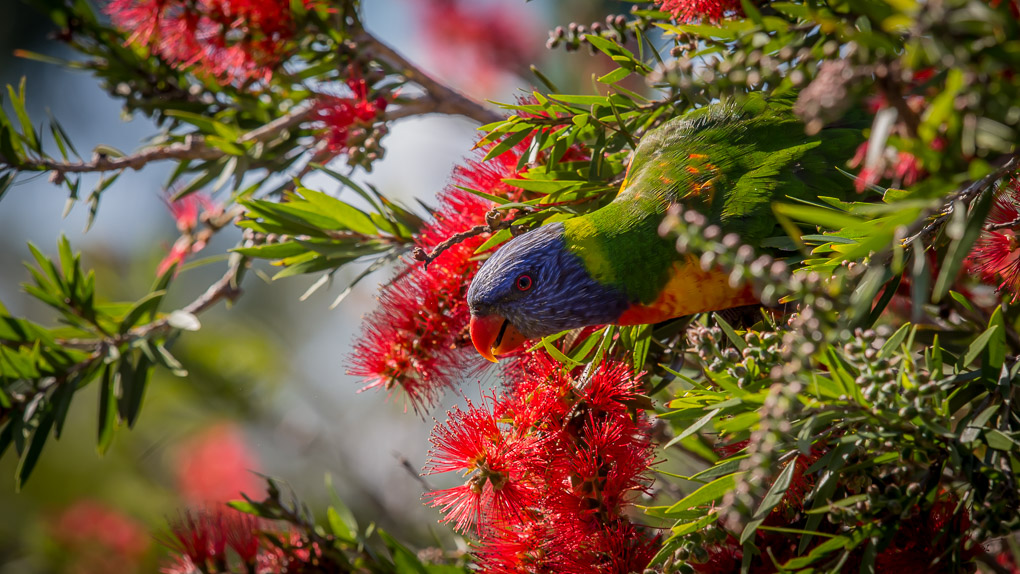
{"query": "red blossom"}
(996, 254)
(216, 466)
(100, 538)
(186, 212)
(242, 535)
(234, 41)
(925, 537)
(340, 114)
(577, 453)
(693, 11)
(417, 337)
(199, 535)
(477, 44)
(498, 464)
(903, 168)
(178, 564)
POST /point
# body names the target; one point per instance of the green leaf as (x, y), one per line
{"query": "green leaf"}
(892, 344)
(690, 430)
(507, 143)
(338, 526)
(44, 423)
(962, 301)
(61, 405)
(147, 304)
(960, 247)
(772, 498)
(346, 215)
(707, 493)
(979, 344)
(612, 77)
(107, 411)
(820, 216)
(731, 334)
(404, 560)
(206, 124)
(995, 352)
(18, 103)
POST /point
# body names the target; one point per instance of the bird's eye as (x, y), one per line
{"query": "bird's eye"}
(524, 282)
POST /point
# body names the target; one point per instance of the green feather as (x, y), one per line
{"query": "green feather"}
(731, 163)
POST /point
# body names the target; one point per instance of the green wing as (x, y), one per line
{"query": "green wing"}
(727, 161)
(732, 162)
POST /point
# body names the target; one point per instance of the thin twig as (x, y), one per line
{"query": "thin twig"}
(406, 465)
(923, 229)
(193, 147)
(446, 99)
(1004, 225)
(495, 223)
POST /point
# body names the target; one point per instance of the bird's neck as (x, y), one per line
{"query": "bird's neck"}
(621, 247)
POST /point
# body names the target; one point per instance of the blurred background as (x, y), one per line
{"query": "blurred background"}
(267, 389)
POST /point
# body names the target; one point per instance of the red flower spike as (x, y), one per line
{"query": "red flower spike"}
(186, 214)
(198, 535)
(341, 114)
(215, 466)
(694, 11)
(579, 453)
(242, 535)
(516, 550)
(234, 41)
(996, 254)
(902, 168)
(477, 44)
(498, 466)
(417, 337)
(179, 565)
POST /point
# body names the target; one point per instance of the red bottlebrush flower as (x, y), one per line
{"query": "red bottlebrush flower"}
(477, 44)
(925, 537)
(198, 535)
(99, 538)
(577, 454)
(499, 487)
(234, 41)
(417, 338)
(215, 467)
(996, 254)
(1007, 560)
(723, 558)
(341, 114)
(517, 550)
(903, 168)
(179, 565)
(187, 209)
(200, 538)
(242, 535)
(614, 548)
(186, 213)
(692, 11)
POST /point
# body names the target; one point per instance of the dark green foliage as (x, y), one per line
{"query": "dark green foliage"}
(876, 395)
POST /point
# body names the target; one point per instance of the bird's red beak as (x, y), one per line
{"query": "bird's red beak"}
(493, 335)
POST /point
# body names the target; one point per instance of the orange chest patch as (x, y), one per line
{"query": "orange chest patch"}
(690, 290)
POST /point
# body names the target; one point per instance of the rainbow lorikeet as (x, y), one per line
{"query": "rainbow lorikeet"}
(731, 162)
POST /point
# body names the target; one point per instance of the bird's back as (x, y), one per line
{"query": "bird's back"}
(729, 162)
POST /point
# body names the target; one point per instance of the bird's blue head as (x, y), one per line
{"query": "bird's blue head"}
(535, 286)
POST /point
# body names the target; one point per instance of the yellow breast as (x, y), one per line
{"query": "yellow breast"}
(690, 290)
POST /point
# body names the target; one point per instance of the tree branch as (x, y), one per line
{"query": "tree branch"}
(493, 222)
(193, 147)
(923, 228)
(445, 100)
